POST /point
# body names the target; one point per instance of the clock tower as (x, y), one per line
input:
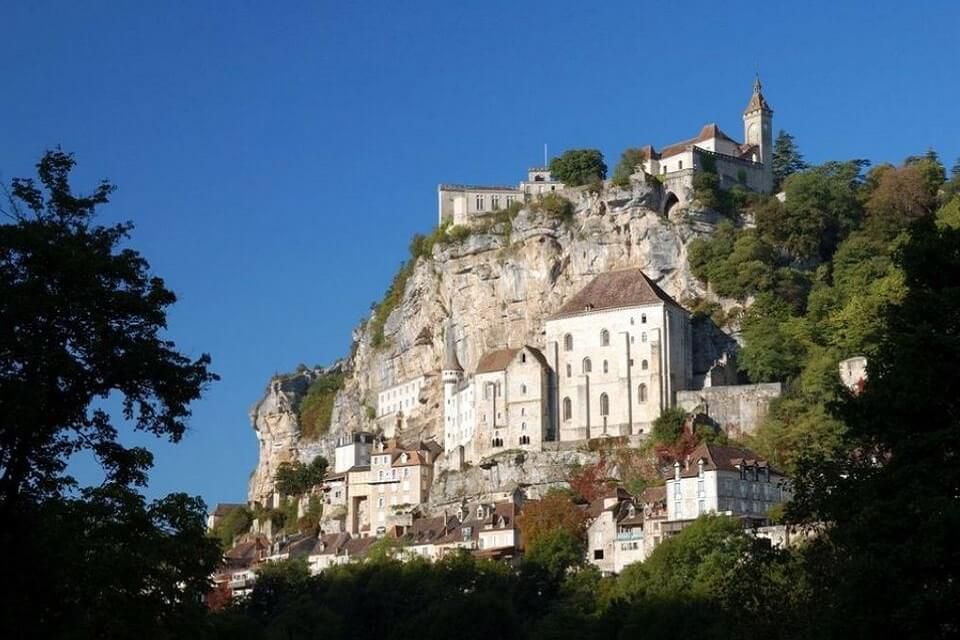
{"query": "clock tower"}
(758, 131)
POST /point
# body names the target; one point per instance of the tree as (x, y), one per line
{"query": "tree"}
(296, 478)
(82, 320)
(557, 551)
(891, 499)
(668, 427)
(578, 167)
(237, 521)
(630, 159)
(555, 511)
(787, 159)
(901, 196)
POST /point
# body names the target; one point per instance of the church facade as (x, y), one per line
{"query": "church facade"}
(617, 352)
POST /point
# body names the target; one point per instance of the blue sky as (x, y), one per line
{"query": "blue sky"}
(276, 161)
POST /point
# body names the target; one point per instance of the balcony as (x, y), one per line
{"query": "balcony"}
(631, 534)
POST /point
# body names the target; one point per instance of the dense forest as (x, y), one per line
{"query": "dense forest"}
(855, 261)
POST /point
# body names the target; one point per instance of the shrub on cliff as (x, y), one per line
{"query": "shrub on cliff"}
(316, 408)
(629, 160)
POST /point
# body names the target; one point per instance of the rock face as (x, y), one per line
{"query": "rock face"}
(494, 290)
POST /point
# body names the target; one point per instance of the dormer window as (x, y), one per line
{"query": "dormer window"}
(480, 513)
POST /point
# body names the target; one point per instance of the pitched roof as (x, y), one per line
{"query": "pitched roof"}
(358, 547)
(716, 457)
(619, 289)
(708, 132)
(501, 358)
(653, 494)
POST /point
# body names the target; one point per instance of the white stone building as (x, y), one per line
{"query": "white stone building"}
(620, 349)
(727, 480)
(503, 405)
(459, 204)
(403, 397)
(748, 163)
(624, 529)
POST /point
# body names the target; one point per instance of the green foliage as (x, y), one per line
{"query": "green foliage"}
(316, 408)
(823, 205)
(391, 300)
(296, 478)
(787, 159)
(557, 551)
(775, 344)
(630, 159)
(668, 426)
(555, 206)
(85, 350)
(578, 167)
(237, 521)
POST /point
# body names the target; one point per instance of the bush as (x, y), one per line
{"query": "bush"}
(231, 525)
(555, 206)
(668, 427)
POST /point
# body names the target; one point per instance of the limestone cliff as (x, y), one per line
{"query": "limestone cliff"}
(495, 289)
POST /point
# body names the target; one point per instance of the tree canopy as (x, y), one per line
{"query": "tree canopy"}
(787, 159)
(578, 167)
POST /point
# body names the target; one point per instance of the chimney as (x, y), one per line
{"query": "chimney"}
(676, 470)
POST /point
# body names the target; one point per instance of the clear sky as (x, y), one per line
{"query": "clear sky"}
(277, 157)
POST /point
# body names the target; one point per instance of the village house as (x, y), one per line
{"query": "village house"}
(727, 480)
(396, 481)
(624, 529)
(237, 574)
(326, 552)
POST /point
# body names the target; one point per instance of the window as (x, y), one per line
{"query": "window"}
(644, 365)
(605, 338)
(702, 506)
(598, 554)
(495, 202)
(676, 490)
(606, 367)
(681, 165)
(604, 404)
(567, 409)
(643, 337)
(587, 367)
(523, 389)
(523, 357)
(524, 439)
(568, 342)
(510, 200)
(479, 202)
(569, 370)
(643, 318)
(380, 502)
(523, 410)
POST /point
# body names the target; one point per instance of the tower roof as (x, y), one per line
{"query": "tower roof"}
(450, 361)
(757, 101)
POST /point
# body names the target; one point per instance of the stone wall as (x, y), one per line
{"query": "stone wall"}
(737, 409)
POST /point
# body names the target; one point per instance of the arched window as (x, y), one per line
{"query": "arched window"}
(587, 366)
(605, 338)
(567, 409)
(606, 367)
(604, 404)
(643, 318)
(644, 365)
(568, 342)
(569, 370)
(523, 357)
(642, 393)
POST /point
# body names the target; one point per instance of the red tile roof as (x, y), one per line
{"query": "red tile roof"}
(501, 358)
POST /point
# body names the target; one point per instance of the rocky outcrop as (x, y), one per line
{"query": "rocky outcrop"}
(495, 289)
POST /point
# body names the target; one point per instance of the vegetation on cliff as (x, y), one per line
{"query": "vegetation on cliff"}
(316, 408)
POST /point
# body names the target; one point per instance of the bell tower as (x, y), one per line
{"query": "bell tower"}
(758, 130)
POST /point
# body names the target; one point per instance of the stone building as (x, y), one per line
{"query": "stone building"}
(620, 349)
(748, 163)
(624, 529)
(503, 405)
(396, 481)
(459, 204)
(729, 480)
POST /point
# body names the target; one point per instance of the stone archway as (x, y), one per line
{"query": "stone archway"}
(670, 201)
